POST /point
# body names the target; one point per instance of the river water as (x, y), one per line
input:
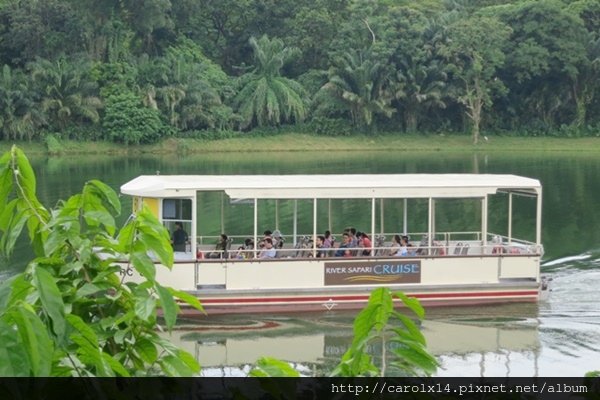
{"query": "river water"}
(557, 337)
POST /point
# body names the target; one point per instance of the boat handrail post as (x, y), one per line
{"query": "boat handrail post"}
(381, 221)
(510, 206)
(373, 202)
(295, 228)
(430, 223)
(192, 239)
(255, 225)
(484, 221)
(405, 218)
(538, 219)
(314, 233)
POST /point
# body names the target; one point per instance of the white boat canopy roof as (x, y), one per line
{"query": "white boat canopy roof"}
(332, 186)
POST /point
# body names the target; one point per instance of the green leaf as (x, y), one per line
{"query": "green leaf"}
(157, 244)
(144, 265)
(14, 289)
(375, 315)
(188, 298)
(26, 176)
(97, 217)
(6, 179)
(84, 329)
(107, 194)
(115, 365)
(6, 214)
(146, 350)
(416, 357)
(189, 361)
(412, 303)
(145, 307)
(169, 307)
(34, 337)
(13, 358)
(272, 367)
(126, 236)
(412, 329)
(88, 289)
(15, 224)
(173, 366)
(51, 299)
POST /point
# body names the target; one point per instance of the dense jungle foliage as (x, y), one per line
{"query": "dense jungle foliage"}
(138, 71)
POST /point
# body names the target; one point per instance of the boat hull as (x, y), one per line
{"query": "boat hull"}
(221, 302)
(284, 285)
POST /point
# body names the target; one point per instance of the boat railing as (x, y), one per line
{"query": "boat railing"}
(496, 245)
(387, 236)
(509, 245)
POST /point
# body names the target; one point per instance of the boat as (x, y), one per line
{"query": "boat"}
(445, 268)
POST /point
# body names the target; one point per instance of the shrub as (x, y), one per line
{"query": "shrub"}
(127, 120)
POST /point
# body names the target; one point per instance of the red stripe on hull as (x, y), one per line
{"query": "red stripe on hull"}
(350, 302)
(361, 297)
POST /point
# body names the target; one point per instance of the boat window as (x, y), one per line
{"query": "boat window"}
(177, 209)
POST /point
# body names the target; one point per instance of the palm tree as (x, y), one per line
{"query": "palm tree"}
(360, 84)
(419, 87)
(266, 97)
(18, 117)
(66, 95)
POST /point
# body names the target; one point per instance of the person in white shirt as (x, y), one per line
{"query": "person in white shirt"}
(268, 251)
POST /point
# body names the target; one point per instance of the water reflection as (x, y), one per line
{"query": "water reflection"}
(314, 343)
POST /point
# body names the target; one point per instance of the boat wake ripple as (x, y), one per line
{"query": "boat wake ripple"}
(565, 260)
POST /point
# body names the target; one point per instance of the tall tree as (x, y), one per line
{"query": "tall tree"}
(67, 94)
(474, 53)
(266, 97)
(547, 48)
(32, 28)
(359, 83)
(19, 118)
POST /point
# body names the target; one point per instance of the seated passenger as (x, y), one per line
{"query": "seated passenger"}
(321, 249)
(268, 251)
(365, 242)
(343, 250)
(220, 248)
(329, 240)
(248, 248)
(395, 247)
(277, 239)
(403, 251)
(266, 234)
(353, 239)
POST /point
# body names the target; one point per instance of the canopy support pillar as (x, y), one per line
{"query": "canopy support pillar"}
(538, 219)
(484, 221)
(373, 203)
(430, 224)
(510, 207)
(314, 235)
(255, 225)
(405, 218)
(295, 232)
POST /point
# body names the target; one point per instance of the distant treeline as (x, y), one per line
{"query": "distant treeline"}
(135, 71)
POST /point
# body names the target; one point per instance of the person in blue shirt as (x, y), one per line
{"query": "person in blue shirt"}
(343, 251)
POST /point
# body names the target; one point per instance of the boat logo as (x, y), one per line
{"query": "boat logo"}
(373, 272)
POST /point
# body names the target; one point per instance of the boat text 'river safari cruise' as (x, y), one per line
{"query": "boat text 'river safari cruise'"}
(268, 271)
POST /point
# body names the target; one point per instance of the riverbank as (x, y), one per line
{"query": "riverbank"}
(303, 142)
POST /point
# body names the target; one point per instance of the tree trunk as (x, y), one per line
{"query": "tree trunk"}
(410, 120)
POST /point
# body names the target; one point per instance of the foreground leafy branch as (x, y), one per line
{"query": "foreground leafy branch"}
(70, 313)
(374, 325)
(377, 324)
